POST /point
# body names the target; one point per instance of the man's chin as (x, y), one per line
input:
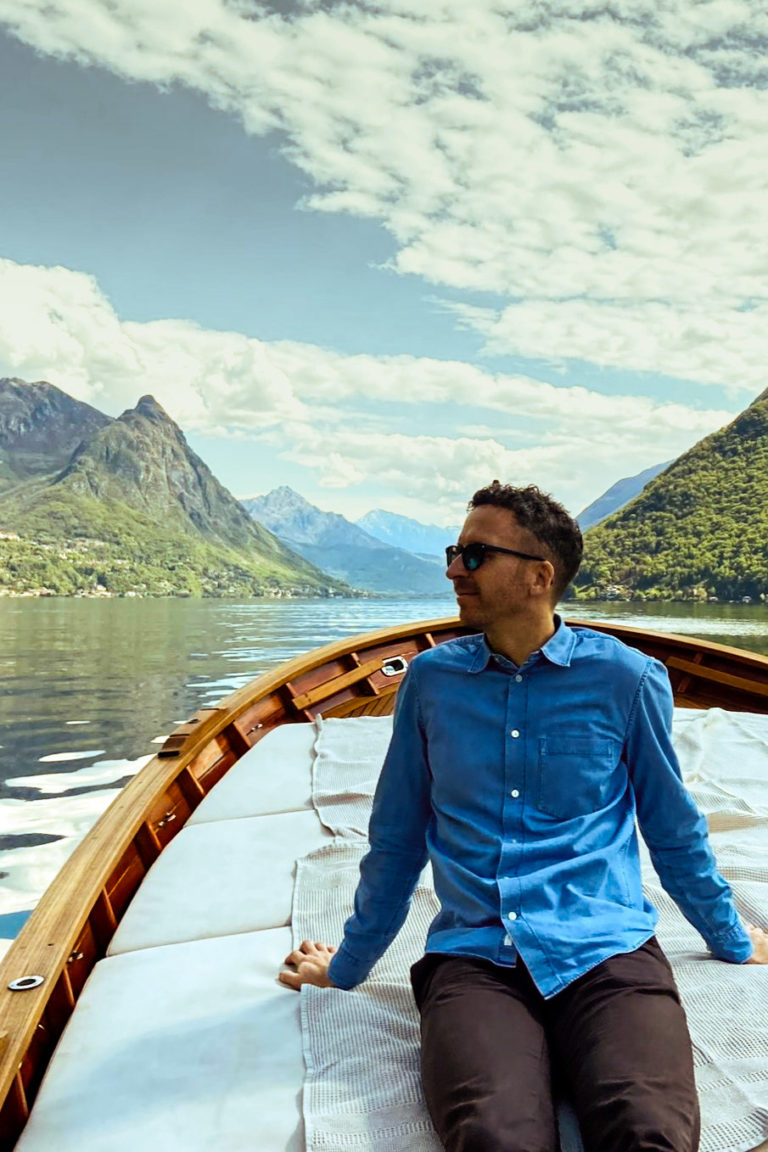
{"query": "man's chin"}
(470, 611)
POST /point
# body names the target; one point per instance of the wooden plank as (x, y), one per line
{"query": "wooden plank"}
(381, 705)
(103, 920)
(331, 687)
(727, 679)
(175, 743)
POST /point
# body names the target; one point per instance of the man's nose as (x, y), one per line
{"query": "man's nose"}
(455, 568)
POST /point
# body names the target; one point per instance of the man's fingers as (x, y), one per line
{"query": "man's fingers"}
(307, 964)
(308, 948)
(759, 938)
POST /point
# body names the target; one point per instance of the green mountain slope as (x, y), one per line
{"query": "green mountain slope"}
(136, 512)
(700, 529)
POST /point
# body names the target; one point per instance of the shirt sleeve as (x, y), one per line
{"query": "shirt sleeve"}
(672, 826)
(397, 855)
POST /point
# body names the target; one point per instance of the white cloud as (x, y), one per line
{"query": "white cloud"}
(555, 150)
(400, 424)
(703, 343)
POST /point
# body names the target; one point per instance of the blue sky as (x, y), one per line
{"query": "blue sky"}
(386, 253)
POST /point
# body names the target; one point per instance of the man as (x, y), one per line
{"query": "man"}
(520, 760)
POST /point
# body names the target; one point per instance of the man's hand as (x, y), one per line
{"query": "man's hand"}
(310, 962)
(760, 942)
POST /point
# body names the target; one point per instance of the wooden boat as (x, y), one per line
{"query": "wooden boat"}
(43, 973)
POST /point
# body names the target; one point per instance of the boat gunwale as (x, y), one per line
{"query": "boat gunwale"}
(45, 943)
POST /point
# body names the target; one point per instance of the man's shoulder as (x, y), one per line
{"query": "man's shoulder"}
(458, 654)
(601, 647)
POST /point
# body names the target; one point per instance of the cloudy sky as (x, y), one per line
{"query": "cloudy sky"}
(385, 252)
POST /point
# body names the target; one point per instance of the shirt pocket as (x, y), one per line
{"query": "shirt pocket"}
(574, 774)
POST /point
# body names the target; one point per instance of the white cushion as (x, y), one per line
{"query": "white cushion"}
(190, 1048)
(220, 877)
(273, 776)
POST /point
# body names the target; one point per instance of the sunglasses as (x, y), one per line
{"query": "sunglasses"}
(473, 555)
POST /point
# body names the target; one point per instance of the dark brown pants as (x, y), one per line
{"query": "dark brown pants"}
(615, 1041)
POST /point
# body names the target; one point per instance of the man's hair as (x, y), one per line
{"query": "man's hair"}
(545, 519)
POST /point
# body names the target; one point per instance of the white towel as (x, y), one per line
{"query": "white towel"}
(363, 1090)
(348, 756)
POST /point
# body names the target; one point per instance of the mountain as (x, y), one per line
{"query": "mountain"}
(617, 496)
(142, 459)
(40, 428)
(343, 549)
(697, 530)
(401, 532)
(134, 511)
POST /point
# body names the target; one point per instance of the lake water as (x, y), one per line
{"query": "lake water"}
(88, 688)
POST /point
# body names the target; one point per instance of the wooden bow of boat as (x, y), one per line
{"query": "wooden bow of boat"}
(76, 918)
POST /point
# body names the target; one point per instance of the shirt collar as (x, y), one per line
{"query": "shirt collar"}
(558, 649)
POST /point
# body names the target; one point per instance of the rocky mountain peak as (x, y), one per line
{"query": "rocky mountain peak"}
(151, 410)
(40, 428)
(285, 500)
(346, 551)
(130, 499)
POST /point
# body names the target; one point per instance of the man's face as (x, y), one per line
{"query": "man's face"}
(502, 587)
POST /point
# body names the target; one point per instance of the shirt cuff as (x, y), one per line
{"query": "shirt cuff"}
(735, 946)
(346, 972)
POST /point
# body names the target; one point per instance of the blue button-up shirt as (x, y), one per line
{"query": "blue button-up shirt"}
(523, 787)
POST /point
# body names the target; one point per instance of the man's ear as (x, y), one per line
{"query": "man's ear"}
(544, 578)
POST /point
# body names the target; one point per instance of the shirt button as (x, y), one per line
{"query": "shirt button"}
(518, 679)
(514, 733)
(514, 793)
(513, 915)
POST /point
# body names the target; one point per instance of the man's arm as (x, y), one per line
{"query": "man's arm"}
(674, 829)
(390, 870)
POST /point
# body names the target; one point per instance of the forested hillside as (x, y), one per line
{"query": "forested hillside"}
(698, 530)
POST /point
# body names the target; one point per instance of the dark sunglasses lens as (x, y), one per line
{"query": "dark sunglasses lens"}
(473, 556)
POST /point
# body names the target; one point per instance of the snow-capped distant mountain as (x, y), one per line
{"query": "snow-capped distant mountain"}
(402, 532)
(335, 545)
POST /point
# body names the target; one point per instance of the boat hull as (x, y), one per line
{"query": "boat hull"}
(72, 927)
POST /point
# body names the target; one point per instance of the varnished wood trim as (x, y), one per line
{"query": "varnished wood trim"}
(685, 681)
(337, 684)
(51, 932)
(700, 672)
(191, 787)
(381, 705)
(103, 920)
(147, 843)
